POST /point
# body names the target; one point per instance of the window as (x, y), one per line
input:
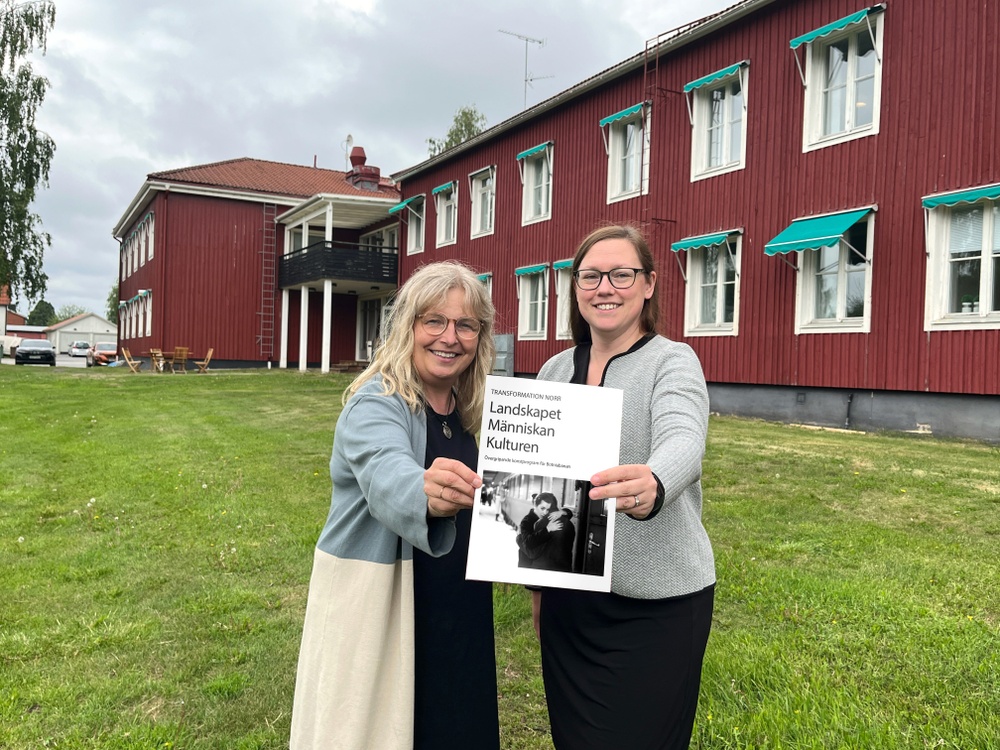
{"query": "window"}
(411, 213)
(963, 260)
(446, 205)
(482, 188)
(627, 146)
(713, 263)
(487, 279)
(149, 314)
(564, 290)
(843, 80)
(835, 284)
(718, 121)
(532, 301)
(536, 177)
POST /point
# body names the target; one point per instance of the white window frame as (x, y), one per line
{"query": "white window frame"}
(149, 314)
(531, 184)
(151, 225)
(616, 147)
(805, 293)
(564, 292)
(701, 123)
(487, 279)
(537, 282)
(415, 225)
(482, 195)
(696, 284)
(940, 313)
(813, 137)
(446, 209)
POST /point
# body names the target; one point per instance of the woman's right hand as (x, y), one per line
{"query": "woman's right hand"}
(450, 486)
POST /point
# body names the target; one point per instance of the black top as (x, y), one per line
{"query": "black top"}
(456, 686)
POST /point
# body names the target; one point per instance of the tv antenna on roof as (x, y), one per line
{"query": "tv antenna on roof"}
(528, 78)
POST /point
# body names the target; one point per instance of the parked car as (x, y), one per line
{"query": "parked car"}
(79, 348)
(102, 353)
(35, 352)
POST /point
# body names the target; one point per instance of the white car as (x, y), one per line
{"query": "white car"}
(79, 349)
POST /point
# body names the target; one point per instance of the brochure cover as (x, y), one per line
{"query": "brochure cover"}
(533, 521)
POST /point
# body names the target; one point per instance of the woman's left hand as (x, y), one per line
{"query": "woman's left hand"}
(633, 484)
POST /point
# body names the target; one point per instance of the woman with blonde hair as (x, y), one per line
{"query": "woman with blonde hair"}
(397, 647)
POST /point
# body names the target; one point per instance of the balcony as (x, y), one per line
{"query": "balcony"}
(348, 265)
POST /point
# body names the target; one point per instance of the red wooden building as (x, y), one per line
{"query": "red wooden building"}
(260, 261)
(819, 182)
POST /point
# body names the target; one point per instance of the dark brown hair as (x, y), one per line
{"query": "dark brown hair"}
(650, 317)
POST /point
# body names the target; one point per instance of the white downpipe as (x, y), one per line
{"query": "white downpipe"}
(303, 328)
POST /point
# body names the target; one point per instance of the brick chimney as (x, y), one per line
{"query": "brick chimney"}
(361, 176)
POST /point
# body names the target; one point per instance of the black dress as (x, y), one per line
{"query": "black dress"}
(455, 693)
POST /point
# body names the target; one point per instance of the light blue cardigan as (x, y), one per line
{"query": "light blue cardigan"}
(379, 509)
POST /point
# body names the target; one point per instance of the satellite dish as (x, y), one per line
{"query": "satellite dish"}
(349, 141)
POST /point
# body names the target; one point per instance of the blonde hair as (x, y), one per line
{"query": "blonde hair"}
(393, 359)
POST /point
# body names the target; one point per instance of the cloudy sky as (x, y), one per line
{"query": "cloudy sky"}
(140, 87)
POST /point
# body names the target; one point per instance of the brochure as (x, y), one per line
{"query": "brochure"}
(533, 521)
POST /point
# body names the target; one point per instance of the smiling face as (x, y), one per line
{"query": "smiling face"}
(441, 359)
(614, 315)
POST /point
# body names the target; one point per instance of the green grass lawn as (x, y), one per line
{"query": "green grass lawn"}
(156, 541)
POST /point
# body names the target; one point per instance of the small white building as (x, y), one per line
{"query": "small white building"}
(88, 327)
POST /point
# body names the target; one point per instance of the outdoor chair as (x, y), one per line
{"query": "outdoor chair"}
(203, 364)
(134, 365)
(156, 360)
(179, 361)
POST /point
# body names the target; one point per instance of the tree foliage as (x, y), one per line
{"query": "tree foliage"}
(468, 122)
(112, 311)
(69, 311)
(43, 314)
(25, 152)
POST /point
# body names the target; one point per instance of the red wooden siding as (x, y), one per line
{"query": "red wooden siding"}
(939, 107)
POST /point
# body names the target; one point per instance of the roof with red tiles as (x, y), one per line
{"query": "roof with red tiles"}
(259, 176)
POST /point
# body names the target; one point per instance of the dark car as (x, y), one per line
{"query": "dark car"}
(102, 353)
(35, 352)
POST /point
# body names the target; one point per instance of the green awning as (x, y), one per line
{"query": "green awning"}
(404, 204)
(814, 233)
(562, 264)
(443, 188)
(705, 240)
(990, 192)
(713, 77)
(532, 151)
(830, 28)
(530, 269)
(485, 276)
(628, 112)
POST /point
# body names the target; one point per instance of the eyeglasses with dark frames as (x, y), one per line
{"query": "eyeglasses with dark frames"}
(435, 324)
(619, 278)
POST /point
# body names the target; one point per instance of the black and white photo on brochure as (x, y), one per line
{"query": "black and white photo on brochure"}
(549, 522)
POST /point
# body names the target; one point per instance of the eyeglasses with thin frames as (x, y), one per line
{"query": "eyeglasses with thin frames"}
(436, 324)
(619, 278)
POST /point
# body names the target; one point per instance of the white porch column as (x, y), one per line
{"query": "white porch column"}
(303, 328)
(327, 323)
(283, 353)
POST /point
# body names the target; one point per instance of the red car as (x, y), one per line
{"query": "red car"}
(102, 353)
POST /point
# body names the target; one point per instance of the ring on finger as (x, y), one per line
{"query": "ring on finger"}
(636, 498)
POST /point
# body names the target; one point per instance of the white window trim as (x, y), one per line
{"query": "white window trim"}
(692, 307)
(487, 280)
(442, 200)
(805, 298)
(527, 186)
(522, 308)
(612, 146)
(701, 112)
(564, 292)
(937, 316)
(414, 240)
(474, 193)
(149, 314)
(812, 125)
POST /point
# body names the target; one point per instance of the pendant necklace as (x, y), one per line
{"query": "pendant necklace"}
(445, 427)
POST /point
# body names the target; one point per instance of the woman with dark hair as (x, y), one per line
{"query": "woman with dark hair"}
(397, 648)
(623, 669)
